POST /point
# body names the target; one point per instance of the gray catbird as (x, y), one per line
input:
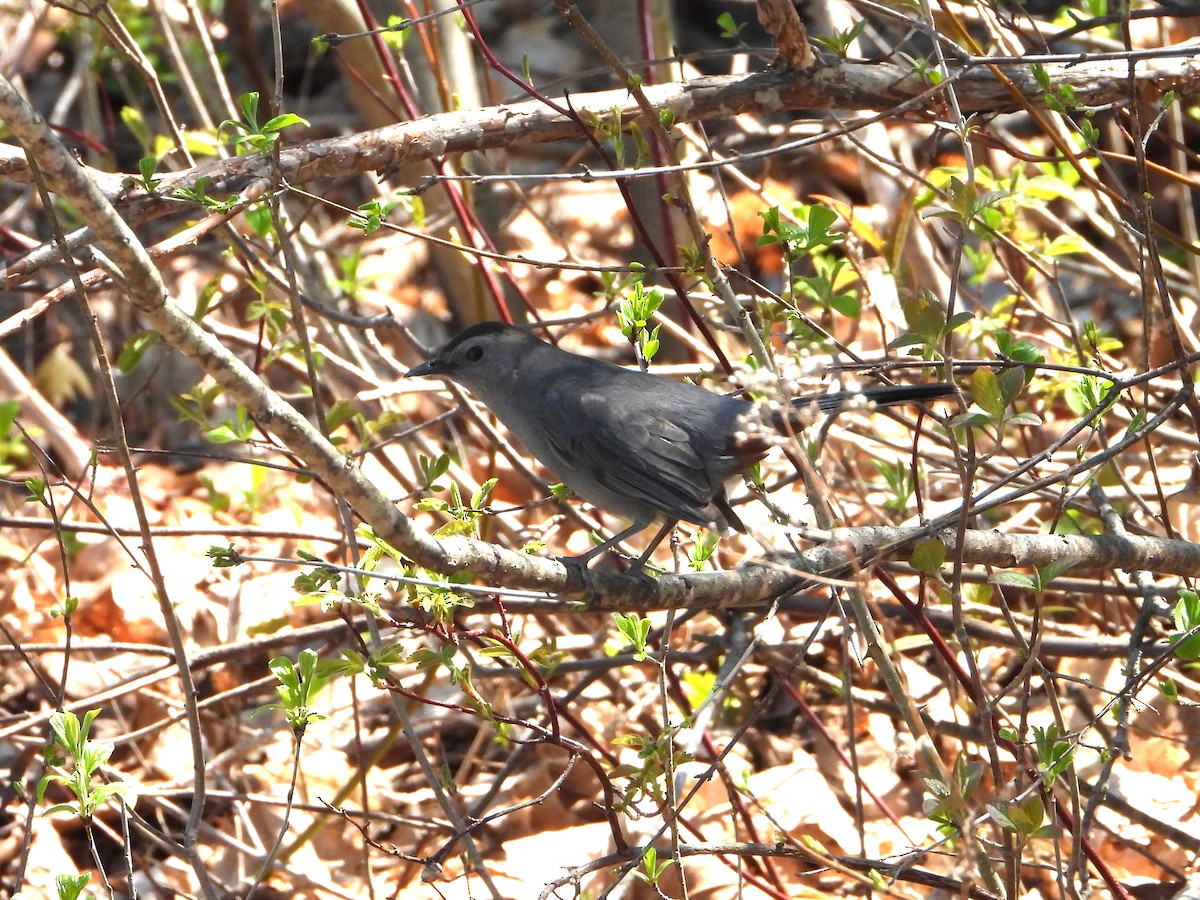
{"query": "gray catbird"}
(638, 445)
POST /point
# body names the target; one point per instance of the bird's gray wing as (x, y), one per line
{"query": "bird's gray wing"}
(631, 449)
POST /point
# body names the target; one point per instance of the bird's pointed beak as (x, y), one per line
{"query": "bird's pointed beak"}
(430, 367)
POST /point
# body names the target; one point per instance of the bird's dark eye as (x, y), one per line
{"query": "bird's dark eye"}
(474, 354)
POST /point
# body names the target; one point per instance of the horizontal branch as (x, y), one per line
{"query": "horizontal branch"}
(876, 86)
(850, 549)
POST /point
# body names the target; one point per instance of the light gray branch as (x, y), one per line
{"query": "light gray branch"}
(877, 86)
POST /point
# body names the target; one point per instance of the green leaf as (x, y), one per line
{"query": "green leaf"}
(283, 121)
(925, 316)
(1013, 579)
(928, 556)
(730, 29)
(985, 389)
(135, 349)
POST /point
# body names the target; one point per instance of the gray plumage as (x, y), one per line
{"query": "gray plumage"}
(635, 444)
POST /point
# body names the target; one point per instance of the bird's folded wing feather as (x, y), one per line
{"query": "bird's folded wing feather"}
(635, 451)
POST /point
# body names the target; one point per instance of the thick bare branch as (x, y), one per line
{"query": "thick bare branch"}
(881, 86)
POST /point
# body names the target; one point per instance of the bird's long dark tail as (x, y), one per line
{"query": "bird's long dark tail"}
(881, 395)
(804, 410)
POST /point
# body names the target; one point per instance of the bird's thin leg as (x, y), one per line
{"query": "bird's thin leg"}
(640, 562)
(584, 558)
